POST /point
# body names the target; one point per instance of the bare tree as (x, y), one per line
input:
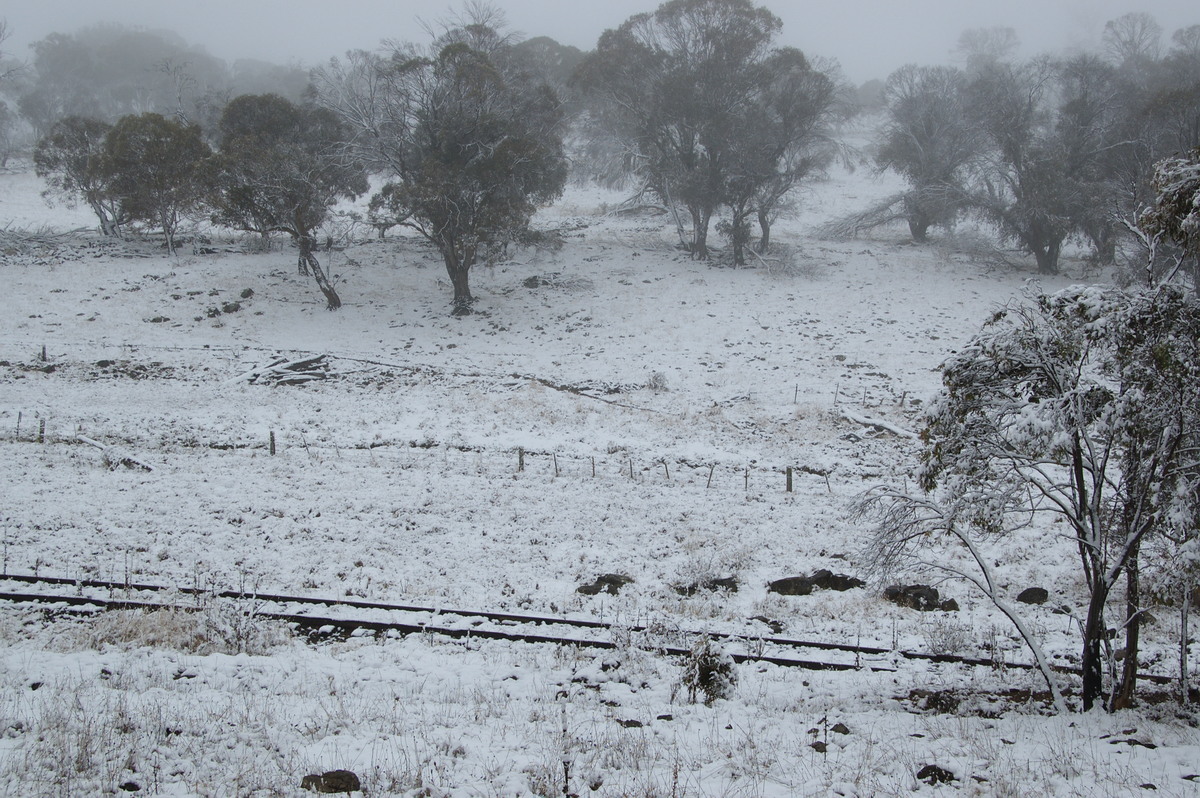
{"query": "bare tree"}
(1133, 40)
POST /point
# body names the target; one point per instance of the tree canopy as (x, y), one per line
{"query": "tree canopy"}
(280, 168)
(472, 148)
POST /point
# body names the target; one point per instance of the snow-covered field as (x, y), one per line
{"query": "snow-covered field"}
(658, 402)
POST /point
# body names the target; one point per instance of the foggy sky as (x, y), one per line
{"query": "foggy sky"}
(870, 38)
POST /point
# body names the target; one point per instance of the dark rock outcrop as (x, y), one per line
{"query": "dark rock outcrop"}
(608, 583)
(820, 580)
(917, 597)
(331, 781)
(1033, 595)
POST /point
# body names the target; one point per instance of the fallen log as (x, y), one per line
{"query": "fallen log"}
(877, 424)
(114, 457)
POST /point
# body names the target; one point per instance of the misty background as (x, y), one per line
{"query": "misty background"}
(869, 38)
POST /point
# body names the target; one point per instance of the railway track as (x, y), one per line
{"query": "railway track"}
(345, 617)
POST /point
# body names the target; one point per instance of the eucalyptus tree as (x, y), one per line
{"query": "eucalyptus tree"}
(929, 140)
(471, 146)
(280, 169)
(674, 87)
(156, 168)
(1080, 409)
(71, 159)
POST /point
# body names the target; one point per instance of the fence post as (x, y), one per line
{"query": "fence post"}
(789, 479)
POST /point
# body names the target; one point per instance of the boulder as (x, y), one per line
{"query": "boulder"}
(1033, 595)
(932, 774)
(791, 586)
(917, 597)
(827, 580)
(608, 583)
(331, 781)
(820, 580)
(729, 584)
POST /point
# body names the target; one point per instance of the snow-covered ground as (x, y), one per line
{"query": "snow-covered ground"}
(658, 402)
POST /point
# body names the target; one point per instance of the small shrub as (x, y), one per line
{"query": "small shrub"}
(221, 627)
(657, 382)
(710, 670)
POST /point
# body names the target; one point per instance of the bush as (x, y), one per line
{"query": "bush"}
(710, 670)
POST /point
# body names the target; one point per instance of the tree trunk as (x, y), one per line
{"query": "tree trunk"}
(1123, 697)
(308, 261)
(1184, 612)
(700, 220)
(1094, 633)
(458, 268)
(107, 226)
(168, 230)
(1047, 257)
(764, 226)
(918, 227)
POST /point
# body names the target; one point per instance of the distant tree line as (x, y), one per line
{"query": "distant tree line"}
(694, 105)
(1049, 150)
(1084, 407)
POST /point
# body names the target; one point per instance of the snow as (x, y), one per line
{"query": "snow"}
(396, 480)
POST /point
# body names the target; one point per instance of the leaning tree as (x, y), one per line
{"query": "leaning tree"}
(70, 158)
(280, 168)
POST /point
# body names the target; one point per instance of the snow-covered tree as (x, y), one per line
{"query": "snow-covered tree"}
(1175, 214)
(676, 89)
(928, 139)
(1081, 408)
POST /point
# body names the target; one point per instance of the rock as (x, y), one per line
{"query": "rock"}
(840, 728)
(1033, 595)
(949, 605)
(917, 597)
(819, 747)
(823, 579)
(129, 786)
(932, 774)
(827, 580)
(728, 584)
(331, 781)
(609, 583)
(776, 627)
(231, 307)
(791, 586)
(247, 293)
